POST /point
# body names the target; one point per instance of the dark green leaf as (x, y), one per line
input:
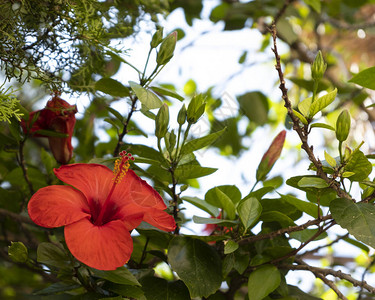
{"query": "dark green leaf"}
(220, 197)
(275, 216)
(129, 291)
(116, 114)
(112, 87)
(313, 182)
(201, 142)
(192, 170)
(166, 92)
(306, 234)
(53, 255)
(307, 207)
(57, 287)
(263, 281)
(147, 98)
(203, 205)
(197, 264)
(160, 289)
(249, 210)
(357, 218)
(230, 247)
(357, 244)
(298, 294)
(221, 222)
(255, 106)
(121, 275)
(365, 78)
(360, 165)
(52, 133)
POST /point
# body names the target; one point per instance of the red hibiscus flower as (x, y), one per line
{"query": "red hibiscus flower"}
(57, 116)
(98, 210)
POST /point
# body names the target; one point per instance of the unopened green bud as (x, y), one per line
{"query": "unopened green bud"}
(157, 38)
(170, 141)
(17, 251)
(162, 121)
(166, 49)
(271, 156)
(318, 67)
(196, 108)
(343, 126)
(181, 117)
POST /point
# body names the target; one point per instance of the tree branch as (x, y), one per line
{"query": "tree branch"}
(302, 131)
(325, 272)
(281, 231)
(125, 128)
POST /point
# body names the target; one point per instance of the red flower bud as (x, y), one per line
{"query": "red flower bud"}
(56, 117)
(271, 156)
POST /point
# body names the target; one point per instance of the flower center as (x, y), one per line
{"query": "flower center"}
(121, 168)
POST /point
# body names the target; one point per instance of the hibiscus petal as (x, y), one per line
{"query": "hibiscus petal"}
(105, 247)
(57, 205)
(93, 180)
(160, 219)
(134, 189)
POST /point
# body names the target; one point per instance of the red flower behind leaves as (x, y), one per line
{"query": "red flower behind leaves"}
(57, 116)
(98, 210)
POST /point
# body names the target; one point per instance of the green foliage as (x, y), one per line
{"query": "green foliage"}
(255, 231)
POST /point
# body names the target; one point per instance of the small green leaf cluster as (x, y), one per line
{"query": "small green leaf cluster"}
(9, 106)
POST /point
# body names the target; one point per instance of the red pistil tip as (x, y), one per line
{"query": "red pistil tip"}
(122, 166)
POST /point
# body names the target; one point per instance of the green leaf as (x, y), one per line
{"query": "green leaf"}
(304, 106)
(121, 275)
(219, 197)
(221, 222)
(203, 205)
(315, 4)
(17, 251)
(201, 142)
(52, 133)
(322, 102)
(357, 244)
(197, 264)
(360, 165)
(53, 255)
(255, 106)
(301, 117)
(249, 210)
(330, 160)
(306, 234)
(276, 216)
(160, 289)
(57, 287)
(230, 246)
(365, 78)
(313, 182)
(147, 98)
(129, 291)
(192, 170)
(166, 92)
(322, 125)
(263, 281)
(116, 114)
(112, 87)
(307, 207)
(357, 218)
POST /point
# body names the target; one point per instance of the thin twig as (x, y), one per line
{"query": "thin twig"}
(281, 231)
(363, 278)
(302, 131)
(125, 128)
(328, 282)
(22, 163)
(325, 271)
(339, 238)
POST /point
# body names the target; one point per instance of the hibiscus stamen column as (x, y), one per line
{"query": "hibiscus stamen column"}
(120, 169)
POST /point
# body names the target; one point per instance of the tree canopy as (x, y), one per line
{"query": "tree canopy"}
(101, 177)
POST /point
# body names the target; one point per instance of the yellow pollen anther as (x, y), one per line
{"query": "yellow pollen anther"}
(121, 166)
